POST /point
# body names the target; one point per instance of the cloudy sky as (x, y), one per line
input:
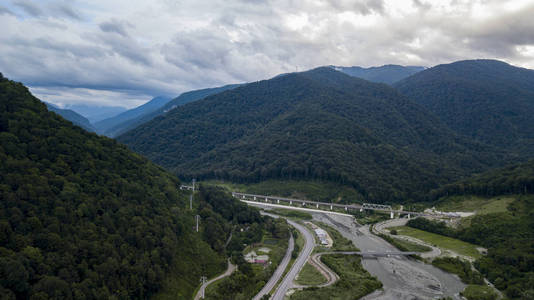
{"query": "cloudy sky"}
(123, 52)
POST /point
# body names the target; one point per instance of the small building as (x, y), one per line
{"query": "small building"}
(321, 235)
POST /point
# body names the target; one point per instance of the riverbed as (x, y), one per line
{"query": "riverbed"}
(402, 277)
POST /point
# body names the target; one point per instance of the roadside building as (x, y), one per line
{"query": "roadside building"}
(322, 236)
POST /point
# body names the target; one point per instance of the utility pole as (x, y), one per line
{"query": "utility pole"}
(197, 217)
(194, 180)
(203, 280)
(191, 201)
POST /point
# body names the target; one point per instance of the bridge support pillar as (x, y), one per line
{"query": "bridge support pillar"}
(277, 200)
(317, 205)
(331, 207)
(290, 202)
(266, 199)
(408, 216)
(391, 215)
(254, 198)
(361, 209)
(346, 208)
(243, 197)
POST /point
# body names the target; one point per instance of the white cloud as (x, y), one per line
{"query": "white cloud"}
(121, 52)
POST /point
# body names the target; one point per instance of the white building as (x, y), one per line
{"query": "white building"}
(321, 235)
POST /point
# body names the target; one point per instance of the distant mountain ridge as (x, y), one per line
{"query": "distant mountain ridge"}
(384, 74)
(319, 124)
(116, 124)
(72, 116)
(183, 99)
(95, 113)
(487, 100)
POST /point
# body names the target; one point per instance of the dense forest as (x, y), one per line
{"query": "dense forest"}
(82, 217)
(515, 179)
(488, 100)
(315, 125)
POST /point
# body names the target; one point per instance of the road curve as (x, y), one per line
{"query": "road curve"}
(331, 276)
(279, 270)
(231, 268)
(309, 244)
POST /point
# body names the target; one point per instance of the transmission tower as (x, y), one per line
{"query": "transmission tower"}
(197, 217)
(203, 280)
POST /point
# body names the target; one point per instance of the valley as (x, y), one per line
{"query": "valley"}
(417, 206)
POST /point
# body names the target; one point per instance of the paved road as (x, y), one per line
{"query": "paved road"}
(331, 276)
(287, 282)
(231, 268)
(279, 270)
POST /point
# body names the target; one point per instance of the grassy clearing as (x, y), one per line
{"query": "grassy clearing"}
(354, 283)
(311, 190)
(476, 204)
(479, 292)
(310, 276)
(440, 241)
(404, 245)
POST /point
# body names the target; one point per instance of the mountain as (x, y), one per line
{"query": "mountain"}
(96, 113)
(114, 125)
(170, 105)
(83, 217)
(384, 74)
(72, 116)
(320, 124)
(487, 100)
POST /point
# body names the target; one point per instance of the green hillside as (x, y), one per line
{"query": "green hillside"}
(315, 125)
(507, 233)
(488, 100)
(82, 217)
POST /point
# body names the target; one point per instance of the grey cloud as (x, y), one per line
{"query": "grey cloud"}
(29, 7)
(114, 26)
(363, 7)
(199, 44)
(68, 11)
(5, 11)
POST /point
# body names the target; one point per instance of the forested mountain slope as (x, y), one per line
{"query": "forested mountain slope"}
(72, 116)
(184, 98)
(515, 179)
(116, 124)
(320, 124)
(485, 99)
(383, 74)
(82, 217)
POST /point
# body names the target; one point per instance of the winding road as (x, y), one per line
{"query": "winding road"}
(231, 268)
(331, 276)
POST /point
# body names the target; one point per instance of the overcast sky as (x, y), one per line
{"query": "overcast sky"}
(123, 52)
